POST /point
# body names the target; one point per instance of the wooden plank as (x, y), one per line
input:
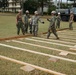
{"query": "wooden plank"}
(23, 36)
(58, 30)
(15, 37)
(65, 39)
(49, 42)
(39, 53)
(54, 49)
(68, 34)
(37, 67)
(55, 40)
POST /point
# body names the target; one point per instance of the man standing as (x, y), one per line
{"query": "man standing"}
(52, 28)
(34, 21)
(26, 21)
(19, 23)
(71, 20)
(58, 20)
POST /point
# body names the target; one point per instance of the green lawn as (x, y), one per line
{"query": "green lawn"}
(8, 29)
(8, 26)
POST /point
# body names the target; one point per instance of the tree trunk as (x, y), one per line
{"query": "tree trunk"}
(42, 7)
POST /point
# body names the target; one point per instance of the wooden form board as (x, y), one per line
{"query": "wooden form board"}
(49, 42)
(39, 53)
(55, 49)
(54, 40)
(37, 67)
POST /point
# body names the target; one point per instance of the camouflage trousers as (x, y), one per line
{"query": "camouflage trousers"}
(58, 25)
(52, 30)
(35, 30)
(20, 26)
(70, 26)
(28, 26)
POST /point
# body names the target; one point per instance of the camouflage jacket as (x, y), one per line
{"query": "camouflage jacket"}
(35, 20)
(52, 21)
(26, 19)
(58, 18)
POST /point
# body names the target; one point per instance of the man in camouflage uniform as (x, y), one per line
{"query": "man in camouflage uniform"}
(52, 28)
(58, 21)
(19, 23)
(71, 20)
(26, 21)
(34, 21)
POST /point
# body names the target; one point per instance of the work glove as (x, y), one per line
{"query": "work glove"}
(47, 19)
(43, 22)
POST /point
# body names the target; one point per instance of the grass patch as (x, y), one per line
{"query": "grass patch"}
(39, 60)
(8, 29)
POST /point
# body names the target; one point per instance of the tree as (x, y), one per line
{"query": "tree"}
(42, 2)
(74, 2)
(4, 3)
(30, 5)
(0, 4)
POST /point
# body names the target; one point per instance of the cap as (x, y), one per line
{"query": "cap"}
(59, 13)
(36, 12)
(71, 12)
(27, 11)
(53, 12)
(19, 10)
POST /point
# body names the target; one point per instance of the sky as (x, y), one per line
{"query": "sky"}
(62, 0)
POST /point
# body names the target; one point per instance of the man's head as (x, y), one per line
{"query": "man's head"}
(27, 12)
(20, 11)
(53, 12)
(36, 12)
(58, 13)
(71, 12)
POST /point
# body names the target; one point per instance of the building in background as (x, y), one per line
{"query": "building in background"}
(11, 6)
(15, 5)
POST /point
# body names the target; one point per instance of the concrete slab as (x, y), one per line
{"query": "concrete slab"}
(73, 48)
(27, 68)
(63, 53)
(52, 59)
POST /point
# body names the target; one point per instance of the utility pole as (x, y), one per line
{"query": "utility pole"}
(74, 1)
(22, 6)
(59, 4)
(42, 6)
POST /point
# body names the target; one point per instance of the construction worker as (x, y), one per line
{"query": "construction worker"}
(52, 28)
(71, 20)
(26, 21)
(58, 20)
(30, 25)
(19, 22)
(34, 21)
